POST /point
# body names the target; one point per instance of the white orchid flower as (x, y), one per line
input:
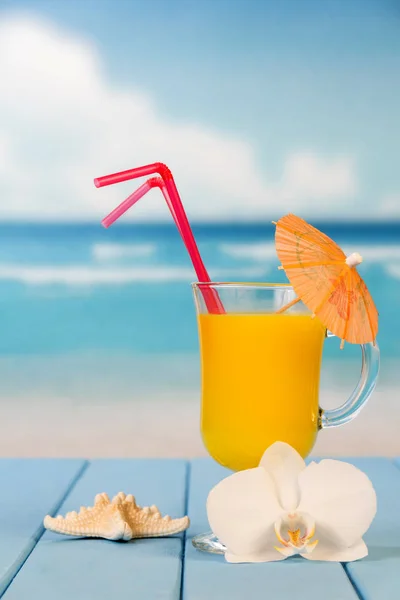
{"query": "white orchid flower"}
(283, 507)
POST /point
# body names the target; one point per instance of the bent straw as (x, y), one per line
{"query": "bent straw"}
(133, 198)
(171, 194)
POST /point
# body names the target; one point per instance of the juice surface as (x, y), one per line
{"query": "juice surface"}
(260, 381)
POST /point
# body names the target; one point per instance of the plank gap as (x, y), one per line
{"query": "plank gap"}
(184, 537)
(350, 577)
(144, 568)
(41, 530)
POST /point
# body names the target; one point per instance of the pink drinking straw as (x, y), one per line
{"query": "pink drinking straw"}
(171, 194)
(133, 198)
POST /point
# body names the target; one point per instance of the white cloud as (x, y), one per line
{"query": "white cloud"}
(388, 207)
(307, 175)
(62, 123)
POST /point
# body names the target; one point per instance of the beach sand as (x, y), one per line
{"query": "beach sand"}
(167, 425)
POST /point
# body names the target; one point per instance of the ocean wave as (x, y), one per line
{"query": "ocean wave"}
(258, 252)
(374, 253)
(393, 270)
(261, 252)
(88, 276)
(112, 251)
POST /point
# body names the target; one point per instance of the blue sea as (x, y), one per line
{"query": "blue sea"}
(93, 316)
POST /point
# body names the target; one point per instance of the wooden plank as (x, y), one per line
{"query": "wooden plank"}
(30, 489)
(209, 576)
(81, 569)
(377, 576)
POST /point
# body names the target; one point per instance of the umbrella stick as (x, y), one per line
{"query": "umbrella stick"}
(292, 303)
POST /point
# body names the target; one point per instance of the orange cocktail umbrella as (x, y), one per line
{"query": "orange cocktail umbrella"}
(326, 281)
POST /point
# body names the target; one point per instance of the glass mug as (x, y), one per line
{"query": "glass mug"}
(260, 376)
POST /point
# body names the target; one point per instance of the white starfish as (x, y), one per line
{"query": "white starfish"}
(118, 519)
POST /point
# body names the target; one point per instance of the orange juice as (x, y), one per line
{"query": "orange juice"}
(260, 382)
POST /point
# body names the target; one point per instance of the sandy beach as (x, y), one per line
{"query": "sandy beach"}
(168, 426)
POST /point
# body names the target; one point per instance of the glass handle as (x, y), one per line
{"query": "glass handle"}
(369, 374)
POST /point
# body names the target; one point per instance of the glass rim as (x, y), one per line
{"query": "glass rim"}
(242, 284)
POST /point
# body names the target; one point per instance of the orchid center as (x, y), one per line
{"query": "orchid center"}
(295, 531)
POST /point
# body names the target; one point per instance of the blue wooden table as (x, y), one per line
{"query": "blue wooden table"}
(38, 564)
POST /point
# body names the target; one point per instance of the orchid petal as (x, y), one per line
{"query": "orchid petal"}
(286, 552)
(266, 556)
(340, 498)
(284, 465)
(310, 547)
(242, 509)
(334, 554)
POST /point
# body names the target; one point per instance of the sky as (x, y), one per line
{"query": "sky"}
(259, 108)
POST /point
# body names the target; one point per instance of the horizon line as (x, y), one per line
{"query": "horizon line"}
(198, 223)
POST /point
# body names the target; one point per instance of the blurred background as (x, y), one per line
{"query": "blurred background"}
(259, 108)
